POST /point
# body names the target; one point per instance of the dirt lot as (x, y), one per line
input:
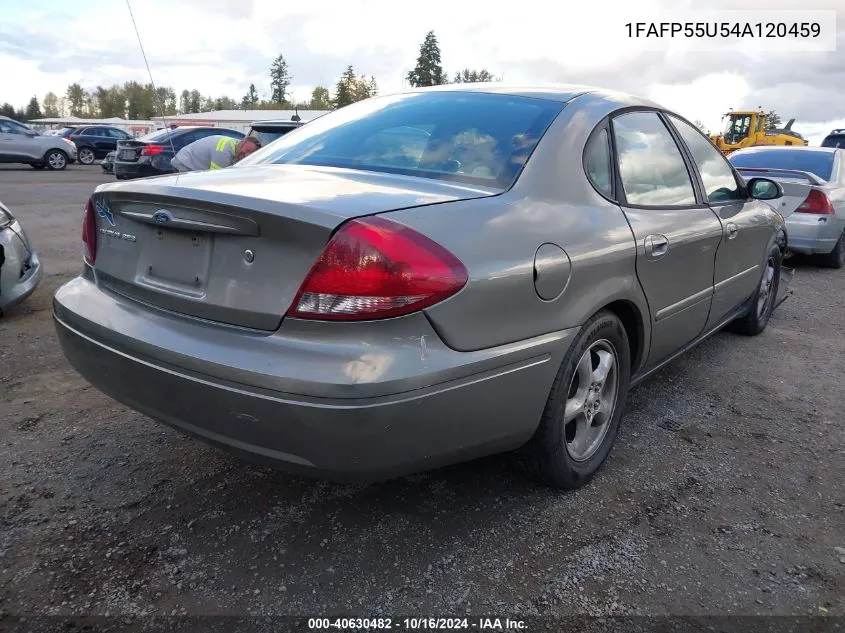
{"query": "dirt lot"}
(725, 493)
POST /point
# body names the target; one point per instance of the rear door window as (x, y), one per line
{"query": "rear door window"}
(720, 184)
(651, 167)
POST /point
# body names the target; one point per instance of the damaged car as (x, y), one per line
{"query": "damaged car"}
(20, 268)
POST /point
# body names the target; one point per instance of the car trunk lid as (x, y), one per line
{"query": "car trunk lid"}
(796, 184)
(234, 246)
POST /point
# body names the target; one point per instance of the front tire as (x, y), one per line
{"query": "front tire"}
(85, 155)
(762, 303)
(582, 415)
(835, 258)
(55, 160)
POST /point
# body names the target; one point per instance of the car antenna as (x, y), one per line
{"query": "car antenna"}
(295, 116)
(156, 95)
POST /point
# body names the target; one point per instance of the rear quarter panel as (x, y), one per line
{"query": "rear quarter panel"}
(497, 238)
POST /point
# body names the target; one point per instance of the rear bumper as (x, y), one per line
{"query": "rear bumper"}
(812, 234)
(15, 287)
(354, 403)
(129, 171)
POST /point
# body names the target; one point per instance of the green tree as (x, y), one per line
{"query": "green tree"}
(20, 114)
(140, 100)
(225, 103)
(33, 109)
(351, 88)
(165, 100)
(429, 70)
(51, 105)
(279, 80)
(250, 98)
(185, 102)
(195, 102)
(469, 76)
(76, 99)
(773, 120)
(320, 99)
(109, 102)
(7, 109)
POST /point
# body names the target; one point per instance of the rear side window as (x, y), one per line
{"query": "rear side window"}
(819, 163)
(651, 167)
(720, 184)
(597, 162)
(478, 138)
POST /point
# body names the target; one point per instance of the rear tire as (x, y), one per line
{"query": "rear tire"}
(762, 302)
(836, 257)
(582, 415)
(55, 160)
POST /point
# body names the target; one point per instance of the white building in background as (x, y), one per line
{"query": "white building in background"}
(238, 120)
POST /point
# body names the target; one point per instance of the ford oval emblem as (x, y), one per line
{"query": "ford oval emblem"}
(162, 216)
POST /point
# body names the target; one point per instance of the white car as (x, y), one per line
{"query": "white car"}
(813, 202)
(20, 268)
(21, 144)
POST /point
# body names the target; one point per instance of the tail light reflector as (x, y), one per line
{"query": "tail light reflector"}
(89, 233)
(374, 268)
(816, 202)
(152, 150)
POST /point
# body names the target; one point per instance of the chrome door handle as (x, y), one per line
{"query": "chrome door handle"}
(732, 230)
(656, 246)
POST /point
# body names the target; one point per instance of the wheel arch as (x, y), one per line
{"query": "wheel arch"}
(632, 320)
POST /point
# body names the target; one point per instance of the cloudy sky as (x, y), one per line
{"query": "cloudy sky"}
(221, 46)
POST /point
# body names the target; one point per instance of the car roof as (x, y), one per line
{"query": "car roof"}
(790, 148)
(553, 92)
(280, 122)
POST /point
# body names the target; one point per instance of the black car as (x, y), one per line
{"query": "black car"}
(835, 139)
(150, 155)
(94, 141)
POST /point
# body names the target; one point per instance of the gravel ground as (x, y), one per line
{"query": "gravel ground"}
(725, 493)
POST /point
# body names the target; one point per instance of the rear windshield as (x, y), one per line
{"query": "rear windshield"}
(269, 134)
(834, 141)
(467, 137)
(158, 135)
(818, 163)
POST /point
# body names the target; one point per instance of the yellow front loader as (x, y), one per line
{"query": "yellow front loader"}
(748, 128)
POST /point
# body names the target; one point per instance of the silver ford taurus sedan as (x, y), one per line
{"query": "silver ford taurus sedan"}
(419, 279)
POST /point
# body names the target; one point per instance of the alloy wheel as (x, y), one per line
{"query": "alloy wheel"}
(591, 400)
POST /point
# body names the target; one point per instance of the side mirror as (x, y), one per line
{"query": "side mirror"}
(30, 132)
(764, 189)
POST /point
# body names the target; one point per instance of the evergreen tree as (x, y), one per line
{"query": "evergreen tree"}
(7, 109)
(250, 98)
(428, 71)
(33, 109)
(773, 120)
(279, 80)
(467, 76)
(76, 99)
(344, 91)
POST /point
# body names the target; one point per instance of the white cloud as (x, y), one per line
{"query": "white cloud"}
(221, 46)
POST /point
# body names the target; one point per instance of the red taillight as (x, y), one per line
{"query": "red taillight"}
(816, 202)
(374, 268)
(152, 150)
(89, 233)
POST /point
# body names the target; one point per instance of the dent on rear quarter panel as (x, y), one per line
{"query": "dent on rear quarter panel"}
(497, 238)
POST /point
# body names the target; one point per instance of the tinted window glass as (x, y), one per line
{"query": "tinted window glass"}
(651, 167)
(115, 133)
(93, 131)
(470, 137)
(819, 163)
(158, 136)
(598, 162)
(834, 141)
(720, 184)
(8, 127)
